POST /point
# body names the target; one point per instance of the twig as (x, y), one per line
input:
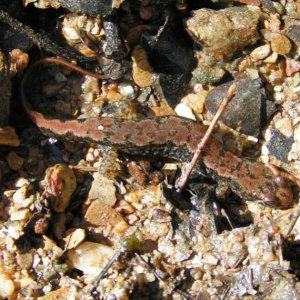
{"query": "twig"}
(186, 173)
(42, 41)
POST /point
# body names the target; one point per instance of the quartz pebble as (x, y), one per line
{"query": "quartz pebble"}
(90, 257)
(7, 287)
(183, 110)
(261, 52)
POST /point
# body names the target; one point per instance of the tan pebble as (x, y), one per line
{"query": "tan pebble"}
(19, 60)
(24, 260)
(74, 237)
(141, 70)
(163, 110)
(61, 293)
(8, 137)
(100, 214)
(195, 101)
(261, 52)
(272, 58)
(90, 257)
(61, 183)
(280, 44)
(113, 95)
(102, 190)
(253, 73)
(7, 287)
(285, 126)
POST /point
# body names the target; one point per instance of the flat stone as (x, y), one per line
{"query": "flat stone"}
(279, 145)
(249, 109)
(103, 190)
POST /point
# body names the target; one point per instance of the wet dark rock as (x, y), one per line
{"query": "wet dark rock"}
(171, 58)
(280, 145)
(249, 109)
(5, 94)
(11, 39)
(89, 7)
(115, 47)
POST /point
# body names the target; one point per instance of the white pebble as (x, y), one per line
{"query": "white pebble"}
(7, 287)
(126, 89)
(278, 88)
(184, 111)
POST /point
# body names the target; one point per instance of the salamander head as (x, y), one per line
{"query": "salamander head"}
(282, 197)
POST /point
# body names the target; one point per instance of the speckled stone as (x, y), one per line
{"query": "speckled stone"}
(279, 145)
(280, 44)
(223, 32)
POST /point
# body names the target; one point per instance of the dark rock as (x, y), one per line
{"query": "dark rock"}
(171, 58)
(279, 145)
(293, 32)
(5, 94)
(115, 46)
(89, 7)
(268, 6)
(249, 109)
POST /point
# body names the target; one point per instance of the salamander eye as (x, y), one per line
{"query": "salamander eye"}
(269, 200)
(280, 181)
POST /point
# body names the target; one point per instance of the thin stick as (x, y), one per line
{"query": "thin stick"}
(186, 173)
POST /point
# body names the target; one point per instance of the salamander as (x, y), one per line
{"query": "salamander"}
(169, 136)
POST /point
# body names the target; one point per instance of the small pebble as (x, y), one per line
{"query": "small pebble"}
(142, 72)
(261, 52)
(285, 126)
(103, 190)
(7, 287)
(126, 89)
(272, 58)
(90, 257)
(280, 44)
(183, 110)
